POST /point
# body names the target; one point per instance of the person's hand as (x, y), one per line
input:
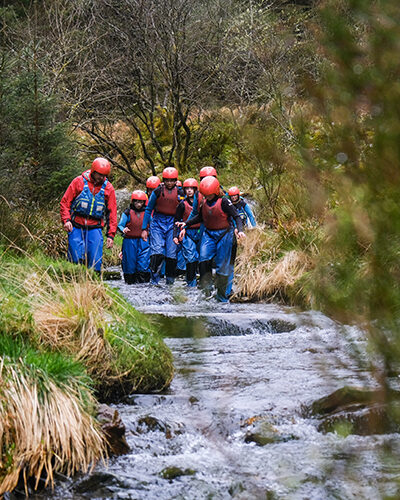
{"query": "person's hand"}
(176, 241)
(144, 235)
(180, 224)
(182, 234)
(109, 243)
(126, 229)
(68, 226)
(120, 255)
(240, 234)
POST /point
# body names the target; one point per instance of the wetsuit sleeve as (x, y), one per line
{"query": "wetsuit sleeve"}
(149, 208)
(250, 215)
(123, 221)
(112, 213)
(180, 210)
(228, 207)
(70, 194)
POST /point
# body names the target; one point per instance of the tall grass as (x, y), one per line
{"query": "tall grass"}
(46, 415)
(271, 264)
(79, 315)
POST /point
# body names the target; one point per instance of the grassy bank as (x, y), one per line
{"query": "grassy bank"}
(66, 341)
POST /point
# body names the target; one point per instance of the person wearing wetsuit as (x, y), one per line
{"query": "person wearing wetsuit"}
(190, 243)
(242, 207)
(162, 205)
(86, 205)
(216, 213)
(135, 251)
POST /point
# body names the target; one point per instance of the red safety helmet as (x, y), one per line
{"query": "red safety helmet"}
(209, 185)
(205, 171)
(153, 182)
(101, 166)
(191, 183)
(234, 190)
(170, 173)
(179, 183)
(139, 195)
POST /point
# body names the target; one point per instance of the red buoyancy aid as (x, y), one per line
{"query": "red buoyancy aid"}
(167, 201)
(214, 217)
(134, 224)
(187, 212)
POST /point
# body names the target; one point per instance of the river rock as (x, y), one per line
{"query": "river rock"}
(352, 410)
(173, 472)
(264, 433)
(113, 429)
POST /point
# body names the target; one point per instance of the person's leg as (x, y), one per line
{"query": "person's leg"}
(76, 246)
(207, 252)
(191, 256)
(143, 260)
(94, 248)
(170, 252)
(157, 243)
(223, 264)
(231, 266)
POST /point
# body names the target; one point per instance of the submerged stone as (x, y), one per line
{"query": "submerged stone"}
(265, 433)
(174, 472)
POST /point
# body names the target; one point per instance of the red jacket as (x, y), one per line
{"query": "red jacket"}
(74, 189)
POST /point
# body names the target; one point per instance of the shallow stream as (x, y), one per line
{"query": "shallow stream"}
(239, 365)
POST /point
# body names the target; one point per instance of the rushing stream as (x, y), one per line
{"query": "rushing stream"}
(238, 365)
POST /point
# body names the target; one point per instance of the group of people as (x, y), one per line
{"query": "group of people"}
(192, 226)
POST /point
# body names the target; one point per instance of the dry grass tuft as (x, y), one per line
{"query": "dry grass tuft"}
(43, 432)
(71, 318)
(260, 273)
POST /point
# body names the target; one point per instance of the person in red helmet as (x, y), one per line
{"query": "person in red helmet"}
(191, 242)
(163, 201)
(87, 203)
(217, 214)
(151, 184)
(135, 251)
(242, 207)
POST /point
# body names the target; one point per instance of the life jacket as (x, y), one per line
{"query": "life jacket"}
(167, 201)
(240, 208)
(214, 217)
(134, 224)
(88, 205)
(187, 212)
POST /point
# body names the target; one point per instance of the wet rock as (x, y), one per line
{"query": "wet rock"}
(113, 429)
(174, 472)
(265, 433)
(98, 485)
(352, 410)
(149, 423)
(344, 398)
(372, 420)
(273, 326)
(111, 275)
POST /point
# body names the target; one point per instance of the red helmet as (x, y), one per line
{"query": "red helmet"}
(153, 182)
(209, 185)
(179, 183)
(139, 195)
(205, 171)
(233, 190)
(101, 166)
(191, 183)
(170, 173)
